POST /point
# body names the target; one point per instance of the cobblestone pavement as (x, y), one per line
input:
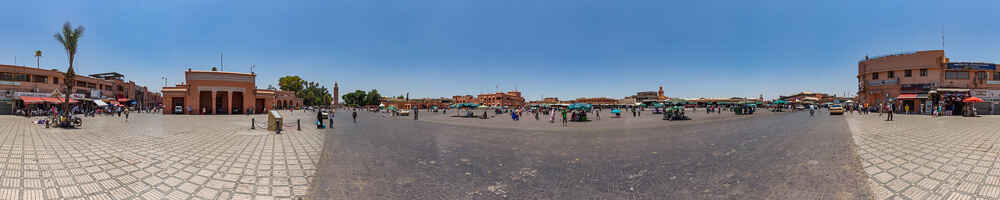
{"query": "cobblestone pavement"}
(923, 157)
(778, 156)
(154, 156)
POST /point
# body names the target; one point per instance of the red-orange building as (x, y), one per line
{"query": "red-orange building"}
(18, 81)
(511, 99)
(919, 80)
(423, 103)
(216, 92)
(464, 99)
(596, 101)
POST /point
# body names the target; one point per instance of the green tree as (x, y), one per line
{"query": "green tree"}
(373, 98)
(291, 83)
(315, 95)
(355, 98)
(69, 38)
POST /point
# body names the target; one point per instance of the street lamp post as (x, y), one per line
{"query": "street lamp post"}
(38, 56)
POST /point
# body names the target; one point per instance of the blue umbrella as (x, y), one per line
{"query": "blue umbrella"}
(616, 111)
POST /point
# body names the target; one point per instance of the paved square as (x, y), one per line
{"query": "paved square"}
(154, 156)
(923, 157)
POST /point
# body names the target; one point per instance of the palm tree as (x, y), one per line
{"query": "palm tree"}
(68, 38)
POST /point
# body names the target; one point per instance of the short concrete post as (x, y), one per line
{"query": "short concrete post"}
(251, 123)
(298, 123)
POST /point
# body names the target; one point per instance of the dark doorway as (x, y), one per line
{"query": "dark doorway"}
(177, 101)
(238, 103)
(204, 102)
(259, 106)
(221, 103)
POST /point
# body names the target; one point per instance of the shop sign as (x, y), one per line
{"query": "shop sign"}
(77, 96)
(9, 83)
(32, 94)
(987, 95)
(95, 93)
(972, 66)
(882, 82)
(916, 88)
(993, 82)
(6, 94)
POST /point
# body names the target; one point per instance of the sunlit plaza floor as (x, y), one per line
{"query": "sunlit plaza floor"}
(153, 156)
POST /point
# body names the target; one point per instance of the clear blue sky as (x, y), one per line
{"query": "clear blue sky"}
(558, 48)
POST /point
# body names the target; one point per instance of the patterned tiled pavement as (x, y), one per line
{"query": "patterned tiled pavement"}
(155, 157)
(923, 157)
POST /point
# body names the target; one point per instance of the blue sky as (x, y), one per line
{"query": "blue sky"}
(566, 49)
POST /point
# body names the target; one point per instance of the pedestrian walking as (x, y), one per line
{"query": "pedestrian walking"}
(552, 116)
(126, 114)
(354, 116)
(889, 109)
(564, 120)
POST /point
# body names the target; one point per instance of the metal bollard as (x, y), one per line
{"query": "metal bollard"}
(298, 124)
(251, 123)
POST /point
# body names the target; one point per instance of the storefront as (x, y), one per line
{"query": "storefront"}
(914, 103)
(951, 100)
(991, 106)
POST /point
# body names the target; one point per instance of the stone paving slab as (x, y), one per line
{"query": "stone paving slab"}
(153, 156)
(924, 157)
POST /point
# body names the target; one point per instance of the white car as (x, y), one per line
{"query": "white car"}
(178, 110)
(404, 112)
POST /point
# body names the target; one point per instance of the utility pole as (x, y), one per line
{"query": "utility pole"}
(222, 67)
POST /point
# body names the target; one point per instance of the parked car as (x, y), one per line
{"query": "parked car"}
(404, 112)
(178, 110)
(836, 109)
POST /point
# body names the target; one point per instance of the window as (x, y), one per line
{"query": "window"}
(960, 75)
(21, 77)
(39, 79)
(55, 80)
(892, 74)
(81, 84)
(980, 75)
(874, 75)
(923, 72)
(908, 73)
(996, 76)
(6, 76)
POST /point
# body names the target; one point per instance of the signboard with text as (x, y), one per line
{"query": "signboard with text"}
(987, 95)
(972, 66)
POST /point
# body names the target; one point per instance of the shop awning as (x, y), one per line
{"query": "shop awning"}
(37, 100)
(912, 96)
(33, 100)
(62, 100)
(953, 89)
(100, 103)
(123, 100)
